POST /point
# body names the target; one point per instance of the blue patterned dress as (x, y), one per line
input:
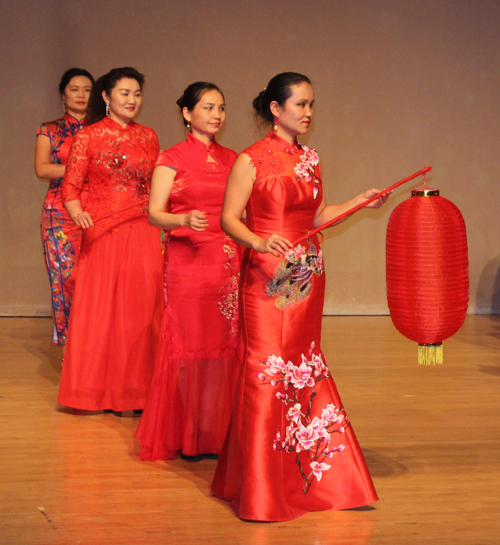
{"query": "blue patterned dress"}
(60, 250)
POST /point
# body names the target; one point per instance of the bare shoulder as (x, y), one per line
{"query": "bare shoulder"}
(244, 161)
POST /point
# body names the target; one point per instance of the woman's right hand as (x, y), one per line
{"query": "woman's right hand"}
(83, 220)
(196, 220)
(275, 245)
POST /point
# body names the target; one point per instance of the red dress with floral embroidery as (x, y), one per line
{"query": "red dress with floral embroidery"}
(290, 447)
(60, 250)
(117, 307)
(196, 368)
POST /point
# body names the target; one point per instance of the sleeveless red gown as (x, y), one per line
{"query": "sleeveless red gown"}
(290, 448)
(197, 364)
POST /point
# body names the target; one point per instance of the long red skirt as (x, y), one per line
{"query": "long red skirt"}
(197, 364)
(115, 319)
(290, 447)
(189, 406)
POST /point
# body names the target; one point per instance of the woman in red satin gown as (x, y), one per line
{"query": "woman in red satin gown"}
(51, 155)
(290, 447)
(196, 368)
(117, 307)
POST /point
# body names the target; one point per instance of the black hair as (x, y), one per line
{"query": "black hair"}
(193, 93)
(97, 107)
(279, 90)
(70, 74)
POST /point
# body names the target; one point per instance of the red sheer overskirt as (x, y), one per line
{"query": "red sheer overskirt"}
(190, 403)
(115, 319)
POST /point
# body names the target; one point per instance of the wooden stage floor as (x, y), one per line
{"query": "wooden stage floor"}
(431, 436)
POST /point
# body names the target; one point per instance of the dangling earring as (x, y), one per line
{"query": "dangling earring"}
(275, 127)
(188, 125)
(107, 109)
(64, 107)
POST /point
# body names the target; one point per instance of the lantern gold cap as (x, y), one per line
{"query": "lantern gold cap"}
(425, 192)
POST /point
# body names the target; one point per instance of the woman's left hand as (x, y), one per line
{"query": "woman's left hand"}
(377, 203)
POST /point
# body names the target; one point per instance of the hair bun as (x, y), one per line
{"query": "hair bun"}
(257, 102)
(193, 93)
(278, 90)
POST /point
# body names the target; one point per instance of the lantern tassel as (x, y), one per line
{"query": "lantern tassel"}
(430, 354)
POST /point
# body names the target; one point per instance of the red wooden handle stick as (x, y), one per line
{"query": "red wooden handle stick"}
(109, 215)
(362, 205)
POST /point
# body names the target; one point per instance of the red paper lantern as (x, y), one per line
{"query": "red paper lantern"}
(427, 271)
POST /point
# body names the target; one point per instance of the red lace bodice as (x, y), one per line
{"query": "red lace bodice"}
(287, 191)
(118, 162)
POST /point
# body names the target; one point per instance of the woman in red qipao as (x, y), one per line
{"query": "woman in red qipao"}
(52, 147)
(290, 448)
(196, 368)
(117, 306)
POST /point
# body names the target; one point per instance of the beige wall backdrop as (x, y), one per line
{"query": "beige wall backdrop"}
(400, 84)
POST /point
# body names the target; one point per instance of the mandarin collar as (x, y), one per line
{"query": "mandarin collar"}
(277, 142)
(73, 120)
(112, 124)
(192, 140)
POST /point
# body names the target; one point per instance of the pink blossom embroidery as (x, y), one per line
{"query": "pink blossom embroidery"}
(310, 438)
(318, 469)
(301, 377)
(276, 364)
(306, 169)
(294, 413)
(293, 278)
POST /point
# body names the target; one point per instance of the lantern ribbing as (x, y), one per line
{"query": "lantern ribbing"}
(427, 276)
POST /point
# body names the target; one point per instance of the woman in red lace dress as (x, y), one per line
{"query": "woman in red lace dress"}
(290, 447)
(52, 147)
(117, 306)
(196, 367)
